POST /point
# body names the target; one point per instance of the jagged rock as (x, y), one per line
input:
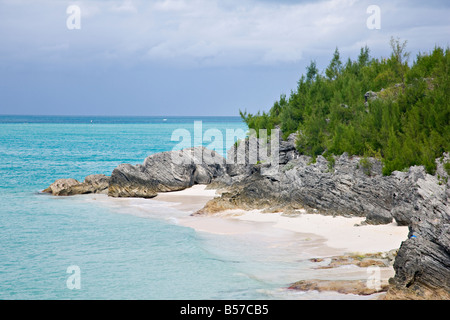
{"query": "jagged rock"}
(419, 194)
(354, 186)
(357, 188)
(422, 266)
(99, 182)
(287, 149)
(166, 171)
(345, 189)
(370, 95)
(442, 174)
(248, 157)
(61, 187)
(131, 181)
(96, 183)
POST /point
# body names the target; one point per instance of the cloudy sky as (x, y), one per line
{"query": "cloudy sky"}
(189, 57)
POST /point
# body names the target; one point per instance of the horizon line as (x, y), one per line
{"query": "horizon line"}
(74, 115)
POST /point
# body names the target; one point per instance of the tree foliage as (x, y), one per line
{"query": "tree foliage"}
(407, 123)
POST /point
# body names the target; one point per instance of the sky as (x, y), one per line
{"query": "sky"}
(190, 57)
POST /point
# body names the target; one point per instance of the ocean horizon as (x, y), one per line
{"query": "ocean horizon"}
(109, 119)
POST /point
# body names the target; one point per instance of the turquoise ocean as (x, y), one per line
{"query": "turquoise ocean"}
(121, 252)
(119, 255)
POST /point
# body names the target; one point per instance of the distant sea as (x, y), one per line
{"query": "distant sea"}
(120, 253)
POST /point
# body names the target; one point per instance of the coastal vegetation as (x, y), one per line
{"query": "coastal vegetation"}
(384, 108)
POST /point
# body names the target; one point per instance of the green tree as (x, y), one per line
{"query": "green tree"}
(311, 72)
(399, 57)
(335, 67)
(407, 124)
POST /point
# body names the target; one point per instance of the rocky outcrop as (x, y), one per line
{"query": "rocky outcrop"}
(354, 186)
(96, 183)
(422, 266)
(250, 156)
(166, 171)
(423, 263)
(161, 172)
(419, 194)
(358, 287)
(61, 187)
(345, 189)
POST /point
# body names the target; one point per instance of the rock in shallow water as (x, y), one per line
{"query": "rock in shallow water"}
(165, 172)
(96, 183)
(61, 187)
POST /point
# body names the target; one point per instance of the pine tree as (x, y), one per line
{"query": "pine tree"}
(335, 67)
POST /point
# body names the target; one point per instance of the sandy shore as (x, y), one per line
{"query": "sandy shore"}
(292, 240)
(189, 200)
(345, 234)
(341, 234)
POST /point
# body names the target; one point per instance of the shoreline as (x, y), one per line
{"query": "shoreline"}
(302, 239)
(306, 238)
(341, 234)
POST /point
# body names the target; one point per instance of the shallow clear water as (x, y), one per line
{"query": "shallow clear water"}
(120, 256)
(122, 253)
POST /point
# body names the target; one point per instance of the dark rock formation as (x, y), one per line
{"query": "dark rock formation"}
(419, 194)
(96, 183)
(344, 189)
(422, 267)
(61, 187)
(131, 181)
(354, 186)
(166, 171)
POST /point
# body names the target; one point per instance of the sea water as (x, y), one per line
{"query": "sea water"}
(73, 248)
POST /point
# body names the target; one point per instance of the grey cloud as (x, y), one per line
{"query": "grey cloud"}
(211, 32)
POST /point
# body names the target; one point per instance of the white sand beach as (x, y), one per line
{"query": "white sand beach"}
(342, 234)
